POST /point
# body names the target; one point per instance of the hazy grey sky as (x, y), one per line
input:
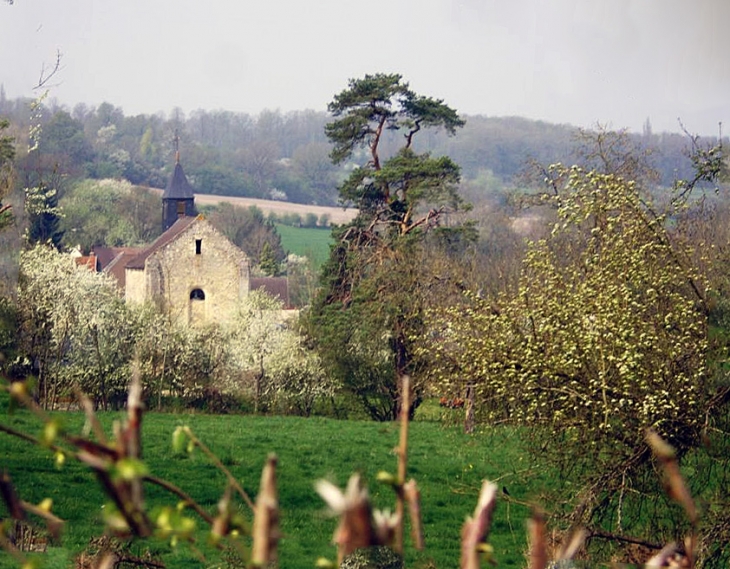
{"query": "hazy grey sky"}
(568, 61)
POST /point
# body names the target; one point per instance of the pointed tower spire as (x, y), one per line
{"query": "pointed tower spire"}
(178, 199)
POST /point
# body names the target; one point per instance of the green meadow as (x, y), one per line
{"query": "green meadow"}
(311, 242)
(447, 464)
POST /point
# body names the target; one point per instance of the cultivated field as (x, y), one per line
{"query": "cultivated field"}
(337, 214)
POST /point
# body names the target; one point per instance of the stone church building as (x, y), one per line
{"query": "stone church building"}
(192, 269)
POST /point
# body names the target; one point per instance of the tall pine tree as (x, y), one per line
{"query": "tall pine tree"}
(370, 304)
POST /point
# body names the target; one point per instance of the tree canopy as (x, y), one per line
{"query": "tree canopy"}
(606, 337)
(390, 188)
(368, 302)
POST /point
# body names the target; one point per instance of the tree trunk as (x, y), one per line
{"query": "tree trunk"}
(469, 409)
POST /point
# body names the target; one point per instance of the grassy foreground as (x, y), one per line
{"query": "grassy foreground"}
(447, 464)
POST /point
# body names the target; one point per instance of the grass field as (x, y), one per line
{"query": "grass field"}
(311, 242)
(447, 464)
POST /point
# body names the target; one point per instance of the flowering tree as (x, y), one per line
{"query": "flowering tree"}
(77, 331)
(7, 155)
(188, 363)
(273, 357)
(74, 328)
(298, 380)
(606, 337)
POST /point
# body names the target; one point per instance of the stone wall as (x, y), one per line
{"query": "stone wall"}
(201, 259)
(134, 286)
(199, 262)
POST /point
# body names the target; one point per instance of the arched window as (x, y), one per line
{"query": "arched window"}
(197, 294)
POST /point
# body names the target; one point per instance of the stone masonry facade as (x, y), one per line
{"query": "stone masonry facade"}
(193, 271)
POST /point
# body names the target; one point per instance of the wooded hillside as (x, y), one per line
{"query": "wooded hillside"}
(285, 156)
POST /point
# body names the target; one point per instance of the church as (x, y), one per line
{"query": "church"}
(191, 270)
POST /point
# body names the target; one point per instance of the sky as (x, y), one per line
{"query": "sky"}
(582, 62)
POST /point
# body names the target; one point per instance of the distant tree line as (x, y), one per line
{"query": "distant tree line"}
(275, 155)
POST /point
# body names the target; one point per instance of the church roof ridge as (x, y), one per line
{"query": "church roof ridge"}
(168, 236)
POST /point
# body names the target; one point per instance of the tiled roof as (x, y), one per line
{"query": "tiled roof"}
(178, 187)
(167, 237)
(107, 254)
(117, 266)
(89, 261)
(276, 287)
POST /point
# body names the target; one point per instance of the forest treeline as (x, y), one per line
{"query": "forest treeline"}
(284, 156)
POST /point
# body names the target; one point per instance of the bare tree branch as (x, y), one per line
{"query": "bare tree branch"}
(47, 73)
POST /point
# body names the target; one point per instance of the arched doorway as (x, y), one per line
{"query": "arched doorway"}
(196, 311)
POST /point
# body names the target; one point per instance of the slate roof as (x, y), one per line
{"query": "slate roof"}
(178, 187)
(167, 237)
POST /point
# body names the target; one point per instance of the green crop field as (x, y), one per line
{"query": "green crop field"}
(447, 464)
(307, 241)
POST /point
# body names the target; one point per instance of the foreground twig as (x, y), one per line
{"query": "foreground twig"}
(356, 528)
(266, 518)
(676, 488)
(217, 462)
(413, 497)
(538, 545)
(476, 528)
(186, 499)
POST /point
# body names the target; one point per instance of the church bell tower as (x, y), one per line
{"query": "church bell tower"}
(178, 199)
